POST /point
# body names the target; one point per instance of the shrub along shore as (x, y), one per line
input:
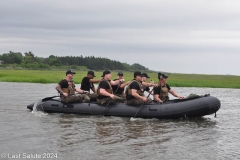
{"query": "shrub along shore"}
(174, 80)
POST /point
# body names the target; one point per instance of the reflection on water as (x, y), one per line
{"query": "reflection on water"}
(109, 130)
(97, 137)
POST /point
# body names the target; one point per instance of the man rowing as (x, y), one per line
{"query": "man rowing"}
(134, 92)
(105, 91)
(87, 84)
(67, 89)
(161, 91)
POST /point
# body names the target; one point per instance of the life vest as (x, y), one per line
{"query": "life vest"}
(129, 91)
(71, 88)
(108, 90)
(163, 95)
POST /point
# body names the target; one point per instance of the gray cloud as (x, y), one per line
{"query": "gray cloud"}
(174, 36)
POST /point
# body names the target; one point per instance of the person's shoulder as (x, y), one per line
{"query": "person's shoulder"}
(107, 81)
(133, 82)
(85, 78)
(103, 81)
(137, 82)
(63, 80)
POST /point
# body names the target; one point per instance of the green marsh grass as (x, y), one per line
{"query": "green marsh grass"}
(174, 80)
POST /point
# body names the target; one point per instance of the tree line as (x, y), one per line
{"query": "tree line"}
(30, 61)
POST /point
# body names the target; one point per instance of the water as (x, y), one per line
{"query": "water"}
(36, 135)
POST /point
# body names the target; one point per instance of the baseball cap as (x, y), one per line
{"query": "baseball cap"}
(70, 72)
(120, 74)
(92, 73)
(145, 75)
(105, 72)
(137, 73)
(162, 75)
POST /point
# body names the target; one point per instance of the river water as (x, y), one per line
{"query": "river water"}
(37, 135)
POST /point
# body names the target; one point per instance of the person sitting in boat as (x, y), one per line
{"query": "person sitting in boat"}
(67, 89)
(87, 84)
(104, 90)
(144, 79)
(161, 91)
(118, 90)
(134, 91)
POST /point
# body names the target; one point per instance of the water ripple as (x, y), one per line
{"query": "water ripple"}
(98, 137)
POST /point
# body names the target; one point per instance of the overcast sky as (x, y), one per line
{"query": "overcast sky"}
(179, 36)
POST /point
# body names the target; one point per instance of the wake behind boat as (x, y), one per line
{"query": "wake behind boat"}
(197, 106)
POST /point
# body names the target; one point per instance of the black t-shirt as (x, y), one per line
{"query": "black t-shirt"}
(156, 90)
(133, 85)
(103, 84)
(64, 83)
(115, 87)
(86, 85)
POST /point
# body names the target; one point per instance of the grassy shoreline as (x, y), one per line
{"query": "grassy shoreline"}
(174, 80)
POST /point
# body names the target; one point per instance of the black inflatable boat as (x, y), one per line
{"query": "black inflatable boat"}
(179, 108)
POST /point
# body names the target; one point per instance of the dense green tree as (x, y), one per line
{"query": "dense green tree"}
(126, 66)
(53, 61)
(137, 66)
(29, 58)
(12, 57)
(17, 58)
(90, 62)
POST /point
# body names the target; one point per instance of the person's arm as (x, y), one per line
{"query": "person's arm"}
(149, 84)
(136, 95)
(156, 98)
(175, 94)
(105, 93)
(81, 91)
(125, 84)
(95, 80)
(59, 89)
(114, 83)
